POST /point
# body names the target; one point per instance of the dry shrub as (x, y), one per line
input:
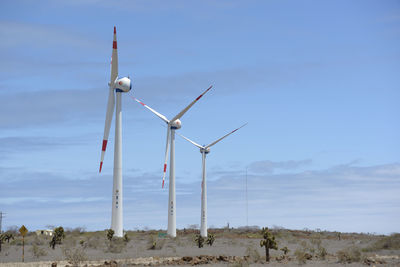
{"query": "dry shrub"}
(13, 230)
(76, 230)
(349, 255)
(252, 255)
(321, 253)
(37, 251)
(240, 264)
(172, 247)
(316, 240)
(154, 243)
(39, 241)
(302, 256)
(74, 256)
(314, 248)
(179, 242)
(306, 247)
(116, 245)
(93, 242)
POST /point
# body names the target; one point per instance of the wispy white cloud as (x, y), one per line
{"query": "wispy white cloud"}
(41, 36)
(41, 200)
(367, 196)
(18, 144)
(267, 166)
(49, 107)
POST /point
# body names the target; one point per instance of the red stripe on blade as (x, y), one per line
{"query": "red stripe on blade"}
(101, 165)
(115, 30)
(104, 145)
(165, 167)
(114, 44)
(162, 183)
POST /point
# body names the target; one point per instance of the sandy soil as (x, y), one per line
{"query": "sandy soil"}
(231, 248)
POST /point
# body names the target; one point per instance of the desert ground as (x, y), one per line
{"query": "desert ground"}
(232, 247)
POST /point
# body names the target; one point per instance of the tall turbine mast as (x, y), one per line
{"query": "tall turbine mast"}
(204, 150)
(117, 86)
(172, 125)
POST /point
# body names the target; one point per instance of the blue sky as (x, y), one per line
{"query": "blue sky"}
(317, 81)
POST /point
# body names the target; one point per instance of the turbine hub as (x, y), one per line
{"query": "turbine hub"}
(176, 124)
(205, 150)
(123, 85)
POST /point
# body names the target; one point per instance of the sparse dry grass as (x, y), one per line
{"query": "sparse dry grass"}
(305, 246)
(386, 242)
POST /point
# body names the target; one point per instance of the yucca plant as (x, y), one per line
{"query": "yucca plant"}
(110, 234)
(199, 241)
(210, 239)
(285, 250)
(57, 236)
(8, 236)
(268, 242)
(126, 238)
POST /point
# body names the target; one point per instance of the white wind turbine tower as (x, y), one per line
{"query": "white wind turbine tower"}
(204, 150)
(172, 125)
(117, 87)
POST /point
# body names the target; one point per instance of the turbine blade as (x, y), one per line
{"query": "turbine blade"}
(213, 143)
(187, 139)
(166, 155)
(111, 97)
(180, 114)
(114, 60)
(152, 110)
(109, 115)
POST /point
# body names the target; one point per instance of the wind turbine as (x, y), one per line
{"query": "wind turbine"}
(117, 87)
(172, 125)
(204, 150)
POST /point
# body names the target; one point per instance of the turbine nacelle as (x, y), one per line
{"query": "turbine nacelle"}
(205, 150)
(176, 124)
(123, 84)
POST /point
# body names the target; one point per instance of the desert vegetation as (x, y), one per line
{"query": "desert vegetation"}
(234, 247)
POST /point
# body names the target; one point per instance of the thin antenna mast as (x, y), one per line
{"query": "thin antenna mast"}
(247, 204)
(1, 219)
